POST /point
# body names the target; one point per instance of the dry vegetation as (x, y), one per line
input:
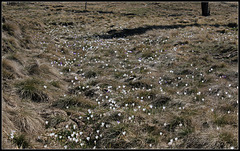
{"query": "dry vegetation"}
(119, 75)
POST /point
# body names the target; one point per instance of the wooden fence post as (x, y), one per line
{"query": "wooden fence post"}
(205, 9)
(85, 5)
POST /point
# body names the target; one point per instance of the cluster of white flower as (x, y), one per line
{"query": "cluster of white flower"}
(12, 134)
(79, 59)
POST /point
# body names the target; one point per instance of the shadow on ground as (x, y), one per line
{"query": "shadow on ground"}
(141, 30)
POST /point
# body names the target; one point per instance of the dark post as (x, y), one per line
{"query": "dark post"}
(205, 9)
(85, 5)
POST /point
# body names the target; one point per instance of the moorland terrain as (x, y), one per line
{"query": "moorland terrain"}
(119, 75)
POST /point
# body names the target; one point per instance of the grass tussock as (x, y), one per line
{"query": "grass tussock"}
(90, 74)
(32, 89)
(113, 138)
(9, 70)
(7, 74)
(147, 54)
(33, 69)
(10, 44)
(7, 65)
(130, 101)
(12, 29)
(110, 76)
(161, 100)
(15, 57)
(224, 119)
(141, 84)
(21, 141)
(55, 84)
(67, 69)
(71, 102)
(228, 138)
(26, 120)
(54, 121)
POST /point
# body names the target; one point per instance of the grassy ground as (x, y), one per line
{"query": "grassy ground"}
(119, 75)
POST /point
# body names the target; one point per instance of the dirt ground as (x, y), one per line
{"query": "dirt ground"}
(145, 75)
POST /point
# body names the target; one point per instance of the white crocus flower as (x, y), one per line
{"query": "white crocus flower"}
(88, 138)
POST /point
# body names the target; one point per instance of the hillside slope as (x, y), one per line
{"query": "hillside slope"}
(119, 75)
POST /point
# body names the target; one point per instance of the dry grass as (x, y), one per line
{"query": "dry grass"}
(10, 69)
(10, 44)
(12, 29)
(126, 75)
(31, 89)
(73, 102)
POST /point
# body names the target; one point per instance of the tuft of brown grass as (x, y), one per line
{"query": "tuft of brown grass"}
(224, 119)
(130, 101)
(115, 72)
(15, 57)
(31, 88)
(33, 69)
(21, 141)
(9, 70)
(73, 102)
(228, 137)
(12, 29)
(55, 84)
(10, 44)
(113, 138)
